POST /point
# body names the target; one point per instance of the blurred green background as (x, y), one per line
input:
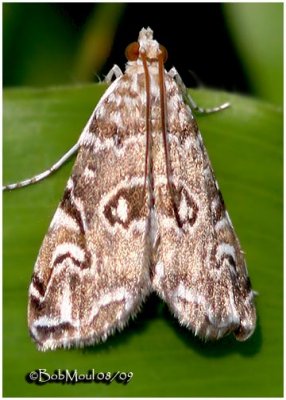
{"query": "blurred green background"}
(51, 53)
(237, 47)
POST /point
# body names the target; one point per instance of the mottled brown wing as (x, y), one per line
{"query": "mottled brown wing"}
(200, 270)
(92, 271)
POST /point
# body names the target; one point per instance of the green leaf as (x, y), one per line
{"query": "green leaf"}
(245, 145)
(257, 30)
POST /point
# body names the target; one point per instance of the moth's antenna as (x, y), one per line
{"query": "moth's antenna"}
(148, 119)
(44, 174)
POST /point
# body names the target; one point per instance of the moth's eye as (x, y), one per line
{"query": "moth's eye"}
(132, 51)
(164, 53)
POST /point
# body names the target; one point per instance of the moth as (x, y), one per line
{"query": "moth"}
(141, 212)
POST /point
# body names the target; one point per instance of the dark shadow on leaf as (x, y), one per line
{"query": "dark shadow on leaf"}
(154, 308)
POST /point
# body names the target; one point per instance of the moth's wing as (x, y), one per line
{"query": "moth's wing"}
(200, 271)
(92, 270)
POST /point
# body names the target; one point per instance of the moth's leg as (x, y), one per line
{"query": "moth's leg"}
(45, 173)
(114, 72)
(190, 101)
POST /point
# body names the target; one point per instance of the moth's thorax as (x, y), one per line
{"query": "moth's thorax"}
(135, 72)
(136, 67)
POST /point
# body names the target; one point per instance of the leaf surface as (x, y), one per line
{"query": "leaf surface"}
(245, 145)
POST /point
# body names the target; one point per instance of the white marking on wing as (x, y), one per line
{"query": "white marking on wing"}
(108, 144)
(228, 218)
(122, 209)
(222, 223)
(225, 249)
(66, 306)
(233, 316)
(33, 291)
(89, 173)
(190, 295)
(70, 184)
(215, 204)
(63, 219)
(48, 322)
(183, 208)
(71, 248)
(116, 118)
(160, 270)
(45, 321)
(159, 273)
(81, 208)
(117, 295)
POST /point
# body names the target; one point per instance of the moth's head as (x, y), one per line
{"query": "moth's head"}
(146, 48)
